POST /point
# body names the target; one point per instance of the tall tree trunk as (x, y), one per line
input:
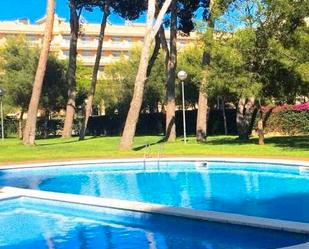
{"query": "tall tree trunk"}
(46, 119)
(71, 72)
(260, 126)
(30, 128)
(135, 106)
(202, 116)
(96, 67)
(201, 121)
(224, 116)
(136, 103)
(20, 124)
(261, 132)
(170, 128)
(154, 55)
(251, 115)
(164, 45)
(240, 118)
(245, 111)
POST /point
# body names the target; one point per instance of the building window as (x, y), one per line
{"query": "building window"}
(85, 39)
(66, 37)
(105, 54)
(31, 38)
(116, 40)
(128, 39)
(116, 54)
(87, 55)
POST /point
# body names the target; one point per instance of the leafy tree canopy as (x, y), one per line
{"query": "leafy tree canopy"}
(116, 87)
(265, 56)
(19, 66)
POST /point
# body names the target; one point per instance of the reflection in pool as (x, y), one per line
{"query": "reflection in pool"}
(258, 190)
(40, 224)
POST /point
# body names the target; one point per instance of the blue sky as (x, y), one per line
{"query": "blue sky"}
(35, 9)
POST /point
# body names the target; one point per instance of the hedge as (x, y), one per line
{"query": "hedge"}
(284, 121)
(148, 124)
(288, 122)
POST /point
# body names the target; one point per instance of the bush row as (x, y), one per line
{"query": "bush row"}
(149, 124)
(285, 122)
(288, 122)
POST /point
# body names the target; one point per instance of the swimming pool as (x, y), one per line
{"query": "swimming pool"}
(254, 189)
(41, 224)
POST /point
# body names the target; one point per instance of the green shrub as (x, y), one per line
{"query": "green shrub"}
(10, 127)
(288, 122)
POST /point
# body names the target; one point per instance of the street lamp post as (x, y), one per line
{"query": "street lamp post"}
(1, 114)
(182, 76)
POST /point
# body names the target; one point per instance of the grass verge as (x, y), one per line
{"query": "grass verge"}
(57, 149)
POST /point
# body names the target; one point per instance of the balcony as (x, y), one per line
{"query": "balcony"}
(92, 44)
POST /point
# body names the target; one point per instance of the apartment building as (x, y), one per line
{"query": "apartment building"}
(118, 39)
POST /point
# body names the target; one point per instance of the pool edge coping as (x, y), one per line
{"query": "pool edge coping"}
(202, 215)
(299, 246)
(283, 162)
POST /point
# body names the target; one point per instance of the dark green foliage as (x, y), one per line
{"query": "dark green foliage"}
(190, 60)
(267, 58)
(219, 7)
(186, 14)
(231, 75)
(54, 91)
(10, 127)
(83, 78)
(280, 55)
(117, 87)
(19, 67)
(288, 122)
(154, 123)
(129, 9)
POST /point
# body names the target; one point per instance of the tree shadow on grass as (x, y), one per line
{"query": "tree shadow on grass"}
(291, 142)
(229, 141)
(144, 146)
(64, 141)
(285, 142)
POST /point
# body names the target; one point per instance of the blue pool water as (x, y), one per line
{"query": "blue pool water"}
(27, 223)
(273, 191)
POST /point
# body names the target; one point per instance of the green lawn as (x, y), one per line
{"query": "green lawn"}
(11, 150)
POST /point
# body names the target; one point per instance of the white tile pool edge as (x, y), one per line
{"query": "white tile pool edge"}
(221, 217)
(283, 162)
(300, 246)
